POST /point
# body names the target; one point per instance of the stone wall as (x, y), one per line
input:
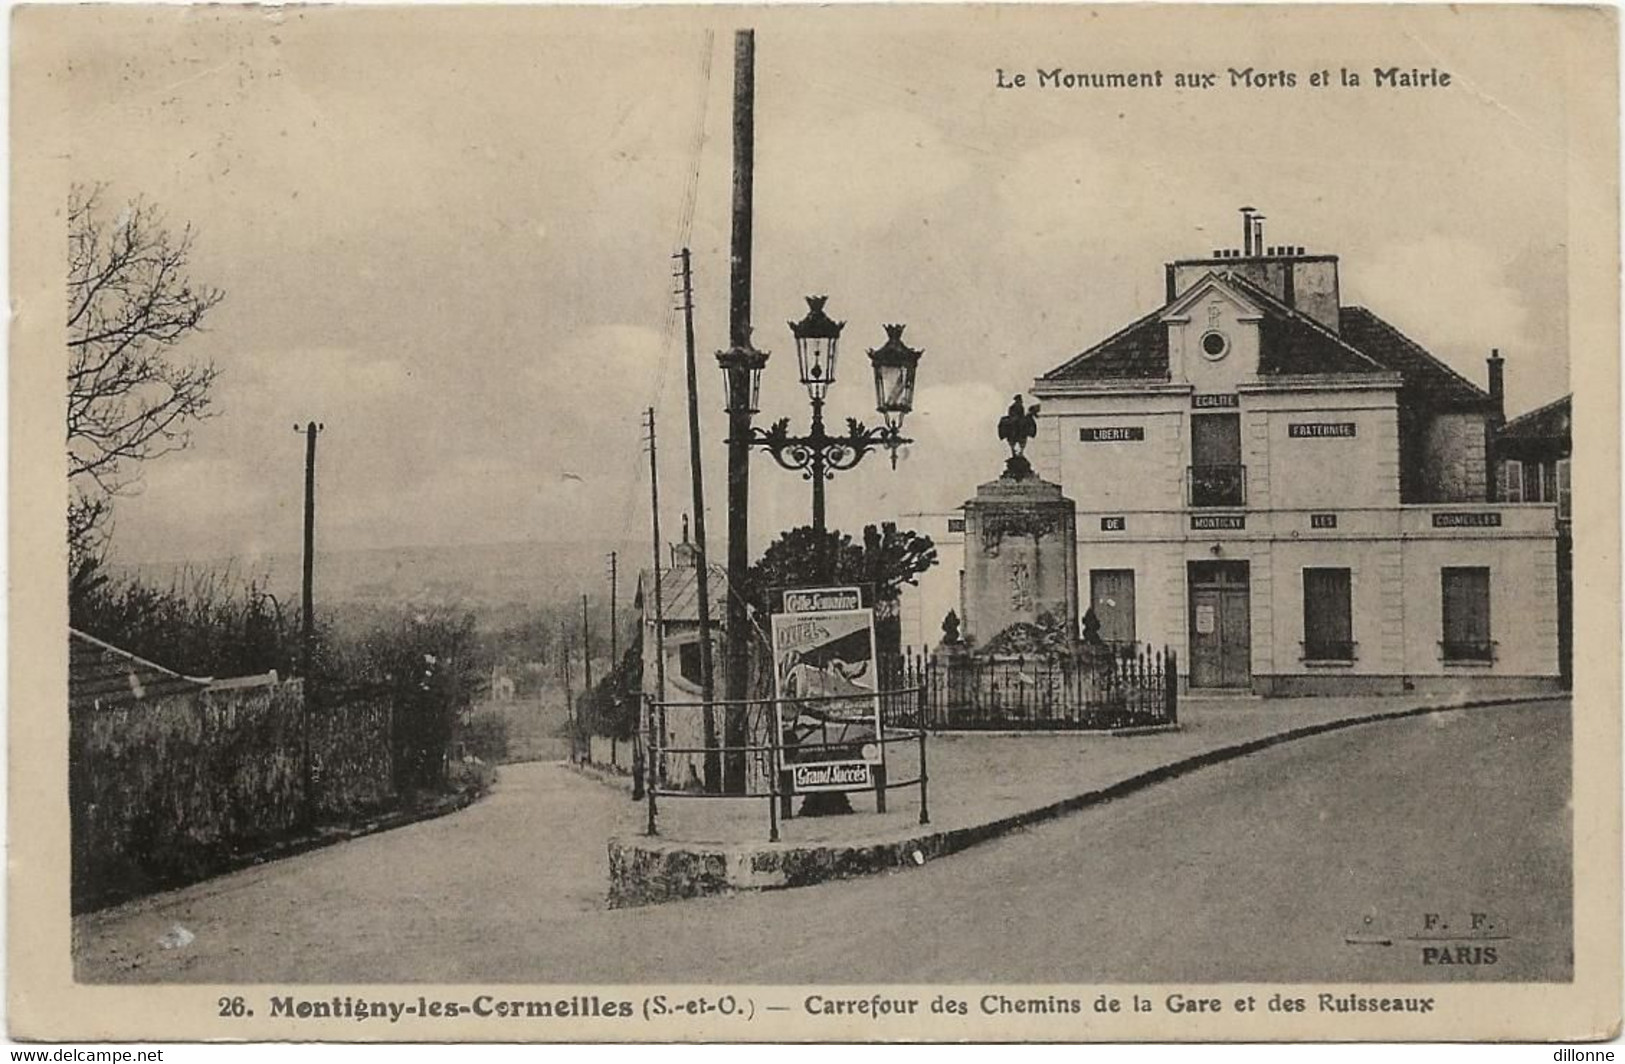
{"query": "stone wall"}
(165, 791)
(351, 768)
(1453, 460)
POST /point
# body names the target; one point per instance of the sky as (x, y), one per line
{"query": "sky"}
(447, 234)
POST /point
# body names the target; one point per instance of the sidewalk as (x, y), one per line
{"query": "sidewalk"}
(980, 786)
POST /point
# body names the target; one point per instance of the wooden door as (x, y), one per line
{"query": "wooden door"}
(1220, 627)
(1111, 596)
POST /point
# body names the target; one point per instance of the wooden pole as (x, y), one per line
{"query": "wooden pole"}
(660, 619)
(738, 662)
(713, 758)
(307, 628)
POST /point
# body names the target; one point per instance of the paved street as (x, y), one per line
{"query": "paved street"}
(1258, 869)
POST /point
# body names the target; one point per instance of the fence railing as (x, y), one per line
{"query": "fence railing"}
(1125, 687)
(672, 769)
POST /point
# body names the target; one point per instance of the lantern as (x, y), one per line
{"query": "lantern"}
(894, 364)
(817, 339)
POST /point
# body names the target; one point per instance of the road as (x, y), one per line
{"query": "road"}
(1260, 869)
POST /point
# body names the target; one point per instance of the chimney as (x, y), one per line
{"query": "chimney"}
(1258, 234)
(1497, 381)
(685, 555)
(1247, 230)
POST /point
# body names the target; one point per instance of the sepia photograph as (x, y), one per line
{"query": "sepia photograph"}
(1012, 522)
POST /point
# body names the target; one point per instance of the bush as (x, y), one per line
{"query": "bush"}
(470, 777)
(204, 624)
(484, 734)
(428, 663)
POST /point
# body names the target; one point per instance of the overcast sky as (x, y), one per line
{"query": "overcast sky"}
(446, 234)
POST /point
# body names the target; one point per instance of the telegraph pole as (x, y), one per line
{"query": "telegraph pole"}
(660, 626)
(569, 695)
(307, 629)
(740, 356)
(307, 632)
(713, 758)
(586, 645)
(614, 641)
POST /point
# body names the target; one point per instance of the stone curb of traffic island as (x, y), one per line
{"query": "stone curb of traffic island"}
(649, 871)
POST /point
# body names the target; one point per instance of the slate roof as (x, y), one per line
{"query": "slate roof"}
(1139, 352)
(101, 676)
(1554, 421)
(1435, 383)
(680, 593)
(1291, 344)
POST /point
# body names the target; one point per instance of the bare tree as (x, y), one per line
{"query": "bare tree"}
(131, 397)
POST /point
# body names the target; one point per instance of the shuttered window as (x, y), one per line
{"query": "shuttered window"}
(1328, 623)
(1466, 600)
(1111, 596)
(1512, 481)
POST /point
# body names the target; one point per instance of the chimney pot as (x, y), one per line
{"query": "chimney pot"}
(1497, 366)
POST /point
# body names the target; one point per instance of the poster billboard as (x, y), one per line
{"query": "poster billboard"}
(824, 650)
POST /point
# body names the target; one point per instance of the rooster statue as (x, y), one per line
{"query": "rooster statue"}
(1016, 427)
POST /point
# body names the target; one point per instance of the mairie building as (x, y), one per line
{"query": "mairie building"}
(1290, 492)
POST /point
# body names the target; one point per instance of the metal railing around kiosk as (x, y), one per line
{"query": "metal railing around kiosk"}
(674, 769)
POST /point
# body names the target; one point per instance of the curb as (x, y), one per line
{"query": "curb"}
(643, 873)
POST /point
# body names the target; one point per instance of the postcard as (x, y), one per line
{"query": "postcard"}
(786, 523)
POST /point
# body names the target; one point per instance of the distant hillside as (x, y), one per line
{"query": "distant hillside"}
(482, 577)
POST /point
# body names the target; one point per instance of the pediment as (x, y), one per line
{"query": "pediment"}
(1245, 308)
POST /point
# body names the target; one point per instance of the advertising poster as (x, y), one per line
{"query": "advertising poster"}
(823, 651)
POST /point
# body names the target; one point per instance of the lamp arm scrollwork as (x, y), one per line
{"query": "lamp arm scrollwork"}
(834, 453)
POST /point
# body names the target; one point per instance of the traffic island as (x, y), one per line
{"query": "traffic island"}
(982, 786)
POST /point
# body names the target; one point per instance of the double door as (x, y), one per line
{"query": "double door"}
(1220, 627)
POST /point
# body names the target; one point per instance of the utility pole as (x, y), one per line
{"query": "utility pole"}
(614, 641)
(307, 629)
(713, 756)
(660, 627)
(741, 361)
(586, 645)
(569, 695)
(307, 632)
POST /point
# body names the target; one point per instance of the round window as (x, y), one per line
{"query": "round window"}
(1215, 345)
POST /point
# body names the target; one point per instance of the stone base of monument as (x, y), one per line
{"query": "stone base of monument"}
(825, 803)
(1020, 561)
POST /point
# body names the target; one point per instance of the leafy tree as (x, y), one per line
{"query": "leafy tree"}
(130, 397)
(887, 559)
(612, 706)
(433, 670)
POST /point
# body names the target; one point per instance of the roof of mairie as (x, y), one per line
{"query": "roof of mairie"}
(1554, 421)
(1139, 352)
(1435, 383)
(101, 676)
(1291, 344)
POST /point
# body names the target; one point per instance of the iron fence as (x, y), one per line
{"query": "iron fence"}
(1110, 689)
(772, 755)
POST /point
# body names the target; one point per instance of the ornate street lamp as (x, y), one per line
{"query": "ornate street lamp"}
(818, 338)
(818, 456)
(894, 364)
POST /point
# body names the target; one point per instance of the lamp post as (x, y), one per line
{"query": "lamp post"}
(818, 456)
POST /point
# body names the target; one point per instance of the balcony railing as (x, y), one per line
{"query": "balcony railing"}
(1330, 650)
(1216, 485)
(1474, 650)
